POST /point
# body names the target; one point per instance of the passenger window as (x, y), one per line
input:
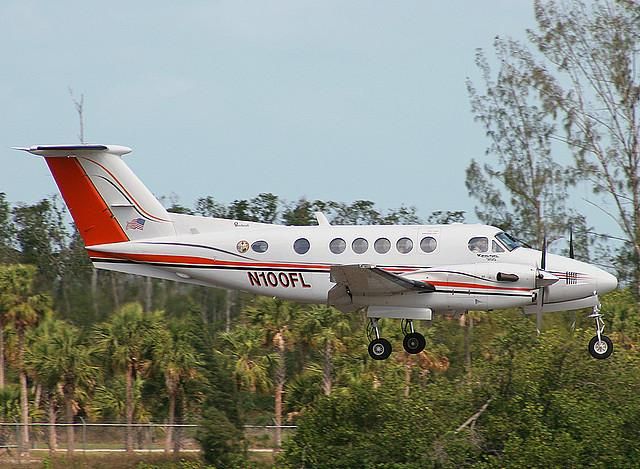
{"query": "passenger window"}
(360, 245)
(301, 246)
(404, 245)
(260, 246)
(479, 244)
(428, 244)
(382, 245)
(337, 246)
(495, 247)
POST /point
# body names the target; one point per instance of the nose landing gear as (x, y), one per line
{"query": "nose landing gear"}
(600, 346)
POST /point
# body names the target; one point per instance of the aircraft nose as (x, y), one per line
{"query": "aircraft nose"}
(606, 282)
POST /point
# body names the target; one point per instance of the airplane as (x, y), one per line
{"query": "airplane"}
(406, 272)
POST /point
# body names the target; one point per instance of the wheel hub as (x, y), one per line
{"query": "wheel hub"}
(600, 347)
(378, 349)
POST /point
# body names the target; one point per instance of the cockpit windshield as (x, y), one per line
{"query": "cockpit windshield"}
(509, 241)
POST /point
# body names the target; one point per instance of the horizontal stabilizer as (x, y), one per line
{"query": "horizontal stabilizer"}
(74, 150)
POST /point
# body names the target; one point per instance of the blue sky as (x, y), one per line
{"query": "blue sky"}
(334, 100)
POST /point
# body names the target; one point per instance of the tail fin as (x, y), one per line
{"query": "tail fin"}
(107, 201)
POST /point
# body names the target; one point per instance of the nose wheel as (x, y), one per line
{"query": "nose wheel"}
(600, 346)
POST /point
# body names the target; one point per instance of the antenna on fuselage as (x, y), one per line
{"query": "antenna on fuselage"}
(321, 219)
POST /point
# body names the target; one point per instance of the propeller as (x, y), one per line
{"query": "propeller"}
(543, 266)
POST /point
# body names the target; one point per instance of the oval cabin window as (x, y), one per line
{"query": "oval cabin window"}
(260, 246)
(382, 245)
(404, 245)
(337, 246)
(360, 245)
(301, 246)
(428, 244)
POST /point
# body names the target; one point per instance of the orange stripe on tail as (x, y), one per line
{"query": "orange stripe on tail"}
(91, 214)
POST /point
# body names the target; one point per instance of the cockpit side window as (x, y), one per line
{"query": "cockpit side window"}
(495, 247)
(479, 244)
(509, 241)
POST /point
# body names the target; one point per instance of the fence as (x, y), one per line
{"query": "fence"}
(111, 437)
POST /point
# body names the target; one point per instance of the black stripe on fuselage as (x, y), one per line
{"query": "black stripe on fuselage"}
(208, 266)
(203, 247)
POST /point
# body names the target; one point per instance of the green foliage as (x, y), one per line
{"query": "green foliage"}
(221, 442)
(365, 427)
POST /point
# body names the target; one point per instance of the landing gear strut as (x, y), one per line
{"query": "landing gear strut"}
(600, 346)
(413, 341)
(379, 348)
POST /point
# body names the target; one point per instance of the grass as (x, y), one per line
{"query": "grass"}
(124, 461)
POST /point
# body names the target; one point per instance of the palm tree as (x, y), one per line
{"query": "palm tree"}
(175, 355)
(38, 351)
(244, 347)
(324, 327)
(63, 359)
(123, 341)
(3, 321)
(23, 309)
(274, 317)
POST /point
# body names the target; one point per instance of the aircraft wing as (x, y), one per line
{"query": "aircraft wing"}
(367, 280)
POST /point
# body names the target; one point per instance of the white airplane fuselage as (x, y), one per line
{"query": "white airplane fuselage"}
(463, 279)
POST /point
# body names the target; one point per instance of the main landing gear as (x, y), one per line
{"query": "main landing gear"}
(600, 346)
(380, 349)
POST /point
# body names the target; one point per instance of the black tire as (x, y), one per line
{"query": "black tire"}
(414, 342)
(602, 349)
(379, 349)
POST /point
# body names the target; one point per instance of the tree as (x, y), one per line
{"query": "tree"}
(7, 231)
(23, 309)
(590, 79)
(124, 342)
(38, 352)
(41, 235)
(300, 213)
(324, 327)
(244, 347)
(273, 317)
(209, 207)
(178, 361)
(59, 357)
(220, 440)
(521, 137)
(585, 77)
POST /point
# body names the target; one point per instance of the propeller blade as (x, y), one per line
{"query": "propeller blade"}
(539, 312)
(571, 254)
(543, 278)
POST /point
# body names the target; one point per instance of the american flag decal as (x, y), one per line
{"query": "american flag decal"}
(135, 224)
